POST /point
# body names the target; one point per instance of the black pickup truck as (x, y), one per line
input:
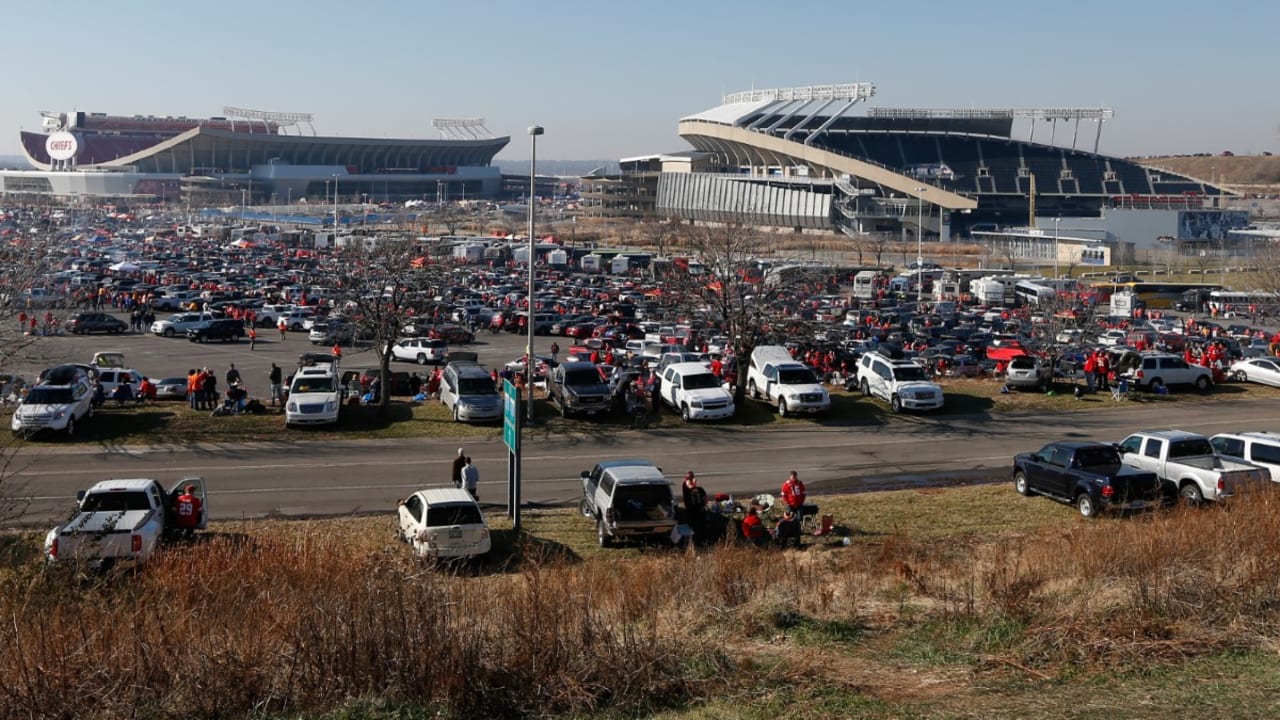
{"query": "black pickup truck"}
(1088, 475)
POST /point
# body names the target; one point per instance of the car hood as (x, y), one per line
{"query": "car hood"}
(709, 394)
(919, 385)
(28, 409)
(803, 388)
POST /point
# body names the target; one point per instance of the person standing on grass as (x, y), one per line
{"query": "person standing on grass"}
(233, 375)
(277, 390)
(456, 474)
(470, 478)
(793, 494)
(695, 503)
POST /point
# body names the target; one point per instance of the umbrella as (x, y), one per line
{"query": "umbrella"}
(124, 267)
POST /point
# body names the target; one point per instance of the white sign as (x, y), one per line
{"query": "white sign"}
(61, 146)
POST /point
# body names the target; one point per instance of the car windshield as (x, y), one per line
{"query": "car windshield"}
(701, 381)
(49, 396)
(1097, 458)
(444, 515)
(476, 386)
(312, 385)
(909, 373)
(582, 377)
(796, 376)
(115, 502)
(1189, 448)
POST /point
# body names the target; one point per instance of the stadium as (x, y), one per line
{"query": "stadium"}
(248, 156)
(807, 158)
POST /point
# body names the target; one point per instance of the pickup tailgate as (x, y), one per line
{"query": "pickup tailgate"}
(101, 534)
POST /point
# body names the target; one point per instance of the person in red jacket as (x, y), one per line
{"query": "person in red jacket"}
(753, 529)
(186, 511)
(793, 494)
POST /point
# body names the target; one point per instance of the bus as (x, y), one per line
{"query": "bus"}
(1029, 292)
(1232, 303)
(1150, 295)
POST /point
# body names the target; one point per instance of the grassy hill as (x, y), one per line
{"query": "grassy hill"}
(1246, 170)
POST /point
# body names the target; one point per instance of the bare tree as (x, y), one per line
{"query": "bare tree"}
(749, 306)
(384, 283)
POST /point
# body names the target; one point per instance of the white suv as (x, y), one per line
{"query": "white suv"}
(315, 396)
(424, 351)
(64, 398)
(443, 523)
(691, 390)
(902, 384)
(1163, 369)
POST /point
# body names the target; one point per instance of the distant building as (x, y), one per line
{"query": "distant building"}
(248, 156)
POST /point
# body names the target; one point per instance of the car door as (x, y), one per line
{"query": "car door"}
(1040, 471)
(410, 516)
(1149, 457)
(882, 376)
(177, 490)
(671, 387)
(1059, 470)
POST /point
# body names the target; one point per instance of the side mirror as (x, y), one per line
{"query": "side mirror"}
(585, 474)
(80, 495)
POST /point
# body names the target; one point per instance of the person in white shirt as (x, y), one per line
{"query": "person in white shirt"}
(471, 478)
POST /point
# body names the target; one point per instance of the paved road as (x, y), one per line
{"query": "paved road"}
(309, 478)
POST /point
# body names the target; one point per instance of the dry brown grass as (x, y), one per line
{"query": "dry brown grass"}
(289, 618)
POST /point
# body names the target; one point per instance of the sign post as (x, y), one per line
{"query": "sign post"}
(511, 438)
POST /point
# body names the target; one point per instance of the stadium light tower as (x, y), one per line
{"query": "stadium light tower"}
(919, 248)
(534, 132)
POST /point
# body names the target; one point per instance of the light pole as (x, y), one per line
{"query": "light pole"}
(1055, 246)
(534, 132)
(919, 249)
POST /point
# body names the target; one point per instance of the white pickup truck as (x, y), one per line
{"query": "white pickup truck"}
(120, 520)
(1188, 466)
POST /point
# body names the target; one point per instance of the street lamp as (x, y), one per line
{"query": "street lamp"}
(534, 132)
(1055, 246)
(919, 248)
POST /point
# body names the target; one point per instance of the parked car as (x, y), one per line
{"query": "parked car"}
(121, 520)
(424, 351)
(1088, 475)
(691, 390)
(776, 378)
(902, 384)
(628, 498)
(1263, 370)
(467, 390)
(1159, 369)
(171, 388)
(1027, 371)
(1255, 448)
(226, 330)
(577, 388)
(63, 398)
(1187, 465)
(91, 322)
(178, 323)
(443, 523)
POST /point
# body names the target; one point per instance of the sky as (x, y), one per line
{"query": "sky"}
(610, 79)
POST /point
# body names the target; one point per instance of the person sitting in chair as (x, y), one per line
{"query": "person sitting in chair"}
(787, 533)
(753, 529)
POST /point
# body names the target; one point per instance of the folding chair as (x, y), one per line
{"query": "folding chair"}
(1120, 391)
(828, 524)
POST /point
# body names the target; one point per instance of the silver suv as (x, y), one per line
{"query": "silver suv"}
(1162, 369)
(902, 384)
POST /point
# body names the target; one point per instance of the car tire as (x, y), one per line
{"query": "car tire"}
(1021, 484)
(564, 411)
(1084, 503)
(71, 428)
(603, 539)
(168, 332)
(585, 508)
(866, 389)
(455, 414)
(782, 407)
(685, 415)
(1202, 383)
(1240, 376)
(89, 413)
(1191, 496)
(1155, 385)
(895, 404)
(752, 391)
(422, 359)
